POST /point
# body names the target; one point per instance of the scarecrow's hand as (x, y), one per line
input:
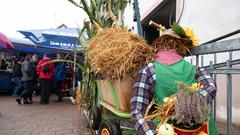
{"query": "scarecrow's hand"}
(205, 94)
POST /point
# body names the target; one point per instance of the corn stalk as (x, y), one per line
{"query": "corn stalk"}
(101, 14)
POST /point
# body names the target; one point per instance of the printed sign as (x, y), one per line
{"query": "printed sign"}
(53, 40)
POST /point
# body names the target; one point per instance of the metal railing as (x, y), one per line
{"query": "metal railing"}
(225, 68)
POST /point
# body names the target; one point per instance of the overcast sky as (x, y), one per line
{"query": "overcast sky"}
(37, 14)
(45, 14)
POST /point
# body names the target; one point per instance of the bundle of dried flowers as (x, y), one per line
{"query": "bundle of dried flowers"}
(187, 108)
(191, 108)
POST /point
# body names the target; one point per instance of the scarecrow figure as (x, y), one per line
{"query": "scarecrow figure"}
(156, 80)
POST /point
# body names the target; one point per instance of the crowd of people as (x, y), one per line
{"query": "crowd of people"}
(37, 76)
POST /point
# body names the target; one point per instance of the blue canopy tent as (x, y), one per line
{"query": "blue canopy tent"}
(62, 39)
(49, 41)
(20, 45)
(28, 46)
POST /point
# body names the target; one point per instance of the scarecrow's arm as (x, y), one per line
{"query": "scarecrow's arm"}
(141, 97)
(209, 87)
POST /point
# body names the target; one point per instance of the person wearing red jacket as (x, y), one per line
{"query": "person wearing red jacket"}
(45, 73)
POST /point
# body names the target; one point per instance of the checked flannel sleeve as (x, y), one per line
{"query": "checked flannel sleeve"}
(143, 91)
(209, 86)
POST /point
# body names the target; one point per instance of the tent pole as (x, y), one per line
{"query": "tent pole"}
(74, 69)
(1, 57)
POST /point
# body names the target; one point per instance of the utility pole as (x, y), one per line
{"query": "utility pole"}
(137, 13)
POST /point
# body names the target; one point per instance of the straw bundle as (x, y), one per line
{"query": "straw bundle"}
(163, 112)
(115, 53)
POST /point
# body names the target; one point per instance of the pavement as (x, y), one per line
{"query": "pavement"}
(53, 119)
(223, 129)
(35, 119)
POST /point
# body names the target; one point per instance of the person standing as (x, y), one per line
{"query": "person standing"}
(27, 79)
(4, 65)
(59, 76)
(16, 76)
(45, 72)
(68, 81)
(35, 77)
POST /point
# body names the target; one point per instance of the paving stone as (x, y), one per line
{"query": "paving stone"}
(35, 119)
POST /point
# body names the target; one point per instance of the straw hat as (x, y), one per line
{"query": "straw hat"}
(170, 32)
(176, 38)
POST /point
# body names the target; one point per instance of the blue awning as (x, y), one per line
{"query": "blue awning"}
(66, 39)
(34, 50)
(28, 46)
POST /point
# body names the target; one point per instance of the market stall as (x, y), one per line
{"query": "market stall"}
(64, 39)
(5, 75)
(53, 44)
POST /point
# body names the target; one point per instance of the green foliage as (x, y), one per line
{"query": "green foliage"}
(104, 12)
(178, 30)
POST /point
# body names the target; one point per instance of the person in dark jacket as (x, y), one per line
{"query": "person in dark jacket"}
(45, 73)
(4, 65)
(59, 76)
(27, 79)
(16, 76)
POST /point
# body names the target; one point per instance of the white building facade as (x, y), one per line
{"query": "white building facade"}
(209, 19)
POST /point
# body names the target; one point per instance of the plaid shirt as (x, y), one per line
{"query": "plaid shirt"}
(143, 91)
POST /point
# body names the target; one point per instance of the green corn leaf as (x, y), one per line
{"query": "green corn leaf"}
(90, 31)
(94, 6)
(80, 31)
(83, 40)
(76, 4)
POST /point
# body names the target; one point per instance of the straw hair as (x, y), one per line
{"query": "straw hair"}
(114, 53)
(169, 42)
